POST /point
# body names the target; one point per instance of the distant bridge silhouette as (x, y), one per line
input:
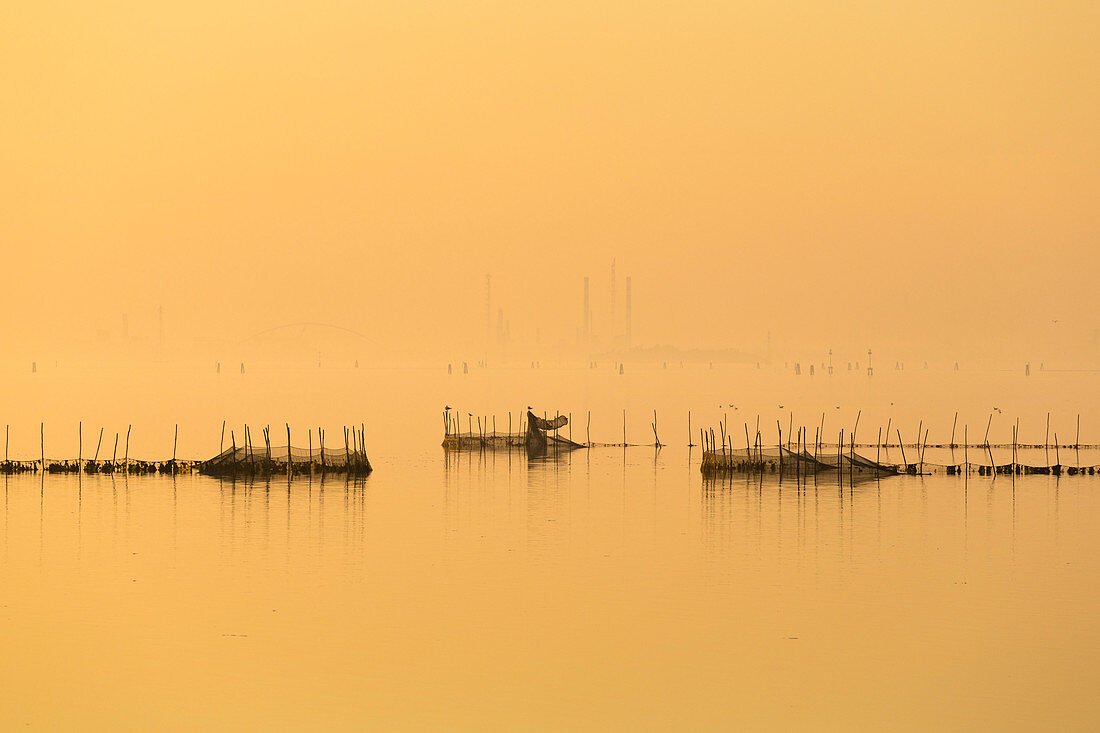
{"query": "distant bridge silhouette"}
(305, 324)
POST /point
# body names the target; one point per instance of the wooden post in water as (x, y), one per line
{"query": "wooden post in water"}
(923, 447)
(820, 432)
(321, 440)
(1046, 441)
(289, 457)
(878, 449)
(221, 443)
(114, 453)
(94, 460)
(1015, 442)
(1057, 457)
(7, 428)
(953, 423)
(624, 428)
(901, 444)
(1077, 441)
(748, 448)
(42, 440)
(779, 428)
(175, 442)
(852, 455)
(310, 464)
(724, 461)
(759, 443)
(657, 440)
(126, 458)
(79, 443)
(588, 429)
(966, 450)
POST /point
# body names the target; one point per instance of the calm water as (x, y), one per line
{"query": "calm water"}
(608, 589)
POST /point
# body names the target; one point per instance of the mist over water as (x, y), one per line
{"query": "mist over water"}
(656, 219)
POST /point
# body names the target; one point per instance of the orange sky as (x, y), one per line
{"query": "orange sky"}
(869, 172)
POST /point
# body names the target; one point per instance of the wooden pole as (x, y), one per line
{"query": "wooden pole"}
(878, 449)
(901, 444)
(79, 443)
(923, 447)
(852, 455)
(310, 464)
(1015, 442)
(126, 458)
(920, 425)
(779, 427)
(98, 443)
(42, 440)
(658, 440)
(221, 443)
(966, 449)
(954, 422)
(840, 451)
(7, 428)
(114, 452)
(175, 442)
(289, 457)
(588, 429)
(1046, 441)
(1057, 457)
(689, 429)
(748, 448)
(624, 428)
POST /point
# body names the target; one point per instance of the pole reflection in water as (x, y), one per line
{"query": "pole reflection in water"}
(608, 570)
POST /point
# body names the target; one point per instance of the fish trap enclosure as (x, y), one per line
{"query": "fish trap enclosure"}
(539, 437)
(781, 459)
(283, 459)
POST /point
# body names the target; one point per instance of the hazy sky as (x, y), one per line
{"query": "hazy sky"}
(869, 171)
